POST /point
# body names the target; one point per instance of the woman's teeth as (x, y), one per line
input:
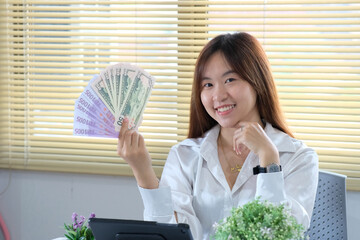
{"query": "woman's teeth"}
(224, 109)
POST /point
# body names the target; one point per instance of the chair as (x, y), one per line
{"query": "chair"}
(329, 215)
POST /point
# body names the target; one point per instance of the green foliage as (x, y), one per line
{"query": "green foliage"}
(259, 220)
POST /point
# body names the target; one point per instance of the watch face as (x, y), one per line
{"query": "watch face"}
(273, 168)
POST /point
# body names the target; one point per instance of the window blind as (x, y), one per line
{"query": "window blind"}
(51, 49)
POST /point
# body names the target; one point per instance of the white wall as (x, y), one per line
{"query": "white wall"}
(36, 204)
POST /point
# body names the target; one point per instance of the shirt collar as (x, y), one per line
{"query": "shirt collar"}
(209, 144)
(281, 140)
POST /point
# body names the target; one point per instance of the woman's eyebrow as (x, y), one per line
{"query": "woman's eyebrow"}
(223, 75)
(227, 73)
(205, 79)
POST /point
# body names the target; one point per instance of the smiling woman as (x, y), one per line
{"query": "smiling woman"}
(198, 185)
(50, 51)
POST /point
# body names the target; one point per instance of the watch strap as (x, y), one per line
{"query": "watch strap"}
(258, 169)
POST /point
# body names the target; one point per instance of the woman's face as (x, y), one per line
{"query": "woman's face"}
(226, 97)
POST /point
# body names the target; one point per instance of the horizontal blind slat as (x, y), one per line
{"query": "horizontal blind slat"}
(192, 42)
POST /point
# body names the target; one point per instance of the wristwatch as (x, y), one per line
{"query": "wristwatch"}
(269, 169)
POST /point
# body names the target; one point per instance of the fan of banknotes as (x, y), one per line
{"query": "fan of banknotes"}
(119, 91)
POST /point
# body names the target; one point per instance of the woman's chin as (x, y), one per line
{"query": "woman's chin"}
(227, 124)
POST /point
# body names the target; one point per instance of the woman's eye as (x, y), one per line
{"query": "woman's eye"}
(229, 80)
(207, 85)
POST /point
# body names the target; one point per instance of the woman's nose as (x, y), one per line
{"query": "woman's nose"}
(220, 93)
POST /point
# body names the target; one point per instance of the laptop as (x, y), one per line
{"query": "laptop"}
(121, 229)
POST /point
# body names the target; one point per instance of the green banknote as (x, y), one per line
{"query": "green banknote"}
(135, 101)
(128, 74)
(98, 85)
(116, 70)
(106, 76)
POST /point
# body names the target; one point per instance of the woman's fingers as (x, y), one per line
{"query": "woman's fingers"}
(130, 142)
(128, 138)
(238, 138)
(141, 142)
(124, 127)
(248, 135)
(124, 139)
(134, 139)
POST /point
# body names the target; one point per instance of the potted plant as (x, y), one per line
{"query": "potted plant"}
(259, 220)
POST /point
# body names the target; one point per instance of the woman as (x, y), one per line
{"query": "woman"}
(238, 147)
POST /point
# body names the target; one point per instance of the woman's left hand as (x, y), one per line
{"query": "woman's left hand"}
(252, 136)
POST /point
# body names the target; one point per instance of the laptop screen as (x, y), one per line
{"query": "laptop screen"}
(121, 229)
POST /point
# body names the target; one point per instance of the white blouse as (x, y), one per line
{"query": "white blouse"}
(193, 183)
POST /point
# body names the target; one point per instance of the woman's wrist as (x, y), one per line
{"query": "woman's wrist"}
(146, 178)
(268, 156)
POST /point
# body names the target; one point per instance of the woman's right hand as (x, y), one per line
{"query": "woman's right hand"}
(131, 147)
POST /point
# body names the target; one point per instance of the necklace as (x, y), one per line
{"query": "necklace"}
(234, 169)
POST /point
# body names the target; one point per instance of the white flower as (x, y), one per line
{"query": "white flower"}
(266, 231)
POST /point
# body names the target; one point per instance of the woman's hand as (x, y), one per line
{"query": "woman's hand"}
(252, 136)
(131, 147)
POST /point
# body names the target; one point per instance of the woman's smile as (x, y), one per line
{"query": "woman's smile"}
(225, 109)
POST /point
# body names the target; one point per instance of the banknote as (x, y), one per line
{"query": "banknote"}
(93, 132)
(99, 86)
(135, 100)
(106, 77)
(128, 74)
(116, 70)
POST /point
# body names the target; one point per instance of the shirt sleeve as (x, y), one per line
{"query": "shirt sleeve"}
(295, 186)
(270, 186)
(158, 205)
(173, 195)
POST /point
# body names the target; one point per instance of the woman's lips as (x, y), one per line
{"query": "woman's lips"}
(222, 110)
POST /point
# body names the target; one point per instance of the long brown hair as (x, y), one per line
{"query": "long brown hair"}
(246, 57)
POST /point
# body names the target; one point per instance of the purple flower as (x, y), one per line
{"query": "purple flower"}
(74, 220)
(81, 221)
(74, 217)
(92, 215)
